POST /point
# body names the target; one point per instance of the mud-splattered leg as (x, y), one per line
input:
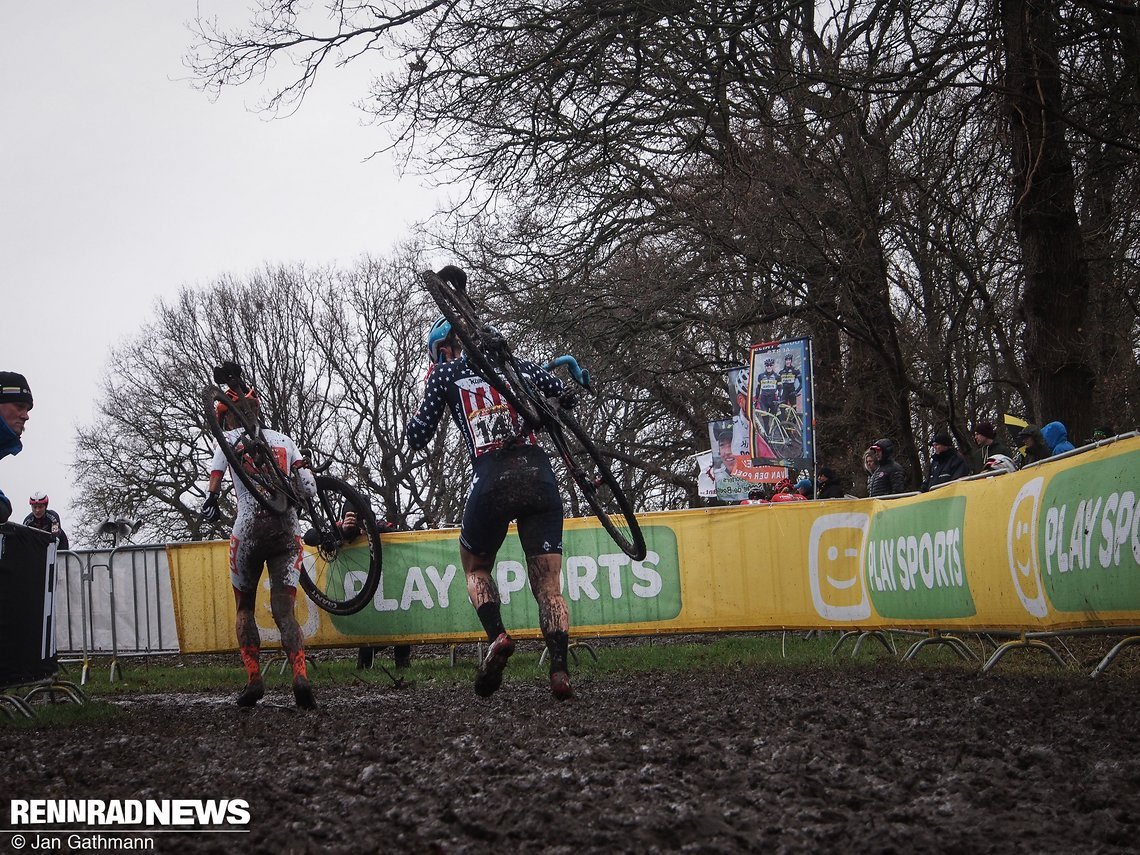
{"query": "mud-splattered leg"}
(553, 616)
(482, 591)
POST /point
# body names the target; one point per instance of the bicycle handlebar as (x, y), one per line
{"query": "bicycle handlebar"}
(578, 374)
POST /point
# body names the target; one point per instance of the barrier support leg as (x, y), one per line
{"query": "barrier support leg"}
(935, 637)
(1022, 642)
(1108, 657)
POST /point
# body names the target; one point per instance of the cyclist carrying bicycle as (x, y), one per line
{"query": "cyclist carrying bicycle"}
(261, 538)
(513, 480)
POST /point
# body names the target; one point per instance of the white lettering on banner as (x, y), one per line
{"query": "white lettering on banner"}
(649, 582)
(1069, 540)
(581, 573)
(510, 576)
(583, 577)
(613, 562)
(933, 560)
(441, 583)
(415, 590)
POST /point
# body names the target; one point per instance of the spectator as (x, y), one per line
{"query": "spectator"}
(1033, 446)
(45, 519)
(946, 464)
(985, 436)
(755, 497)
(828, 485)
(1057, 438)
(888, 478)
(1102, 433)
(786, 492)
(804, 488)
(15, 403)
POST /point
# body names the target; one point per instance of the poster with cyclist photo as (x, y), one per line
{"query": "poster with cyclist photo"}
(738, 398)
(732, 474)
(781, 404)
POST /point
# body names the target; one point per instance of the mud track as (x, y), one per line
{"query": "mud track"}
(881, 758)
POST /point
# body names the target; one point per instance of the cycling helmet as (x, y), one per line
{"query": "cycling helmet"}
(785, 484)
(769, 361)
(787, 357)
(999, 463)
(440, 332)
(38, 498)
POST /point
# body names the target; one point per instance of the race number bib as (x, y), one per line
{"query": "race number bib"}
(491, 421)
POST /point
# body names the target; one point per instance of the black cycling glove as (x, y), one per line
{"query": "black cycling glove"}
(210, 511)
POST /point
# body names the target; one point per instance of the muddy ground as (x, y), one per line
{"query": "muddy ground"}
(882, 758)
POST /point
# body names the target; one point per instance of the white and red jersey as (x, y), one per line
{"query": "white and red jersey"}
(287, 456)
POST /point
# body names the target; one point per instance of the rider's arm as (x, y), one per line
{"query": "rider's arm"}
(549, 384)
(423, 424)
(299, 466)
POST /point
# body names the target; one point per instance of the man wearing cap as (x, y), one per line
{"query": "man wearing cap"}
(986, 437)
(946, 464)
(15, 403)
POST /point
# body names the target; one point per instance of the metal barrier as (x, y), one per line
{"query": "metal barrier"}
(116, 602)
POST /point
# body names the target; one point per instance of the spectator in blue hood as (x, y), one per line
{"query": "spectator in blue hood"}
(15, 404)
(1057, 438)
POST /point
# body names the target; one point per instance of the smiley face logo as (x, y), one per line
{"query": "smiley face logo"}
(834, 546)
(1021, 544)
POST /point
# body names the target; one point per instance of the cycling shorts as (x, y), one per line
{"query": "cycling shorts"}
(513, 484)
(265, 541)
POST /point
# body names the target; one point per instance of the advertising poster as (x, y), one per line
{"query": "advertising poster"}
(780, 429)
(732, 473)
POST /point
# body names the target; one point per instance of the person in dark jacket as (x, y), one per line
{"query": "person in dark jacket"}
(985, 436)
(946, 464)
(45, 519)
(889, 477)
(1057, 438)
(15, 404)
(828, 485)
(1034, 448)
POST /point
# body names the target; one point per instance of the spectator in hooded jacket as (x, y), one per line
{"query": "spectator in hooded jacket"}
(829, 485)
(946, 464)
(985, 436)
(888, 478)
(1034, 448)
(1057, 438)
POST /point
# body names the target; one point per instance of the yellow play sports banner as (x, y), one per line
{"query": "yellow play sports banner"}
(1054, 546)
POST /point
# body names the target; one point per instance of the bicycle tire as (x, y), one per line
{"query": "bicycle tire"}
(255, 464)
(325, 575)
(503, 377)
(593, 474)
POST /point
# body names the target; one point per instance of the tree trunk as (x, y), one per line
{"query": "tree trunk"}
(1055, 301)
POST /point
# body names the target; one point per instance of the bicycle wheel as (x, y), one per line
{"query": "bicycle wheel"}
(251, 459)
(343, 575)
(496, 368)
(592, 472)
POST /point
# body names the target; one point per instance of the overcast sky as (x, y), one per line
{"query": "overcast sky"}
(120, 183)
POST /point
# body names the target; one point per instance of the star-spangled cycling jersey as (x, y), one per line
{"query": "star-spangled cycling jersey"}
(484, 417)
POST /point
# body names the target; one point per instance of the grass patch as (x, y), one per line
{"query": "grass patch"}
(616, 658)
